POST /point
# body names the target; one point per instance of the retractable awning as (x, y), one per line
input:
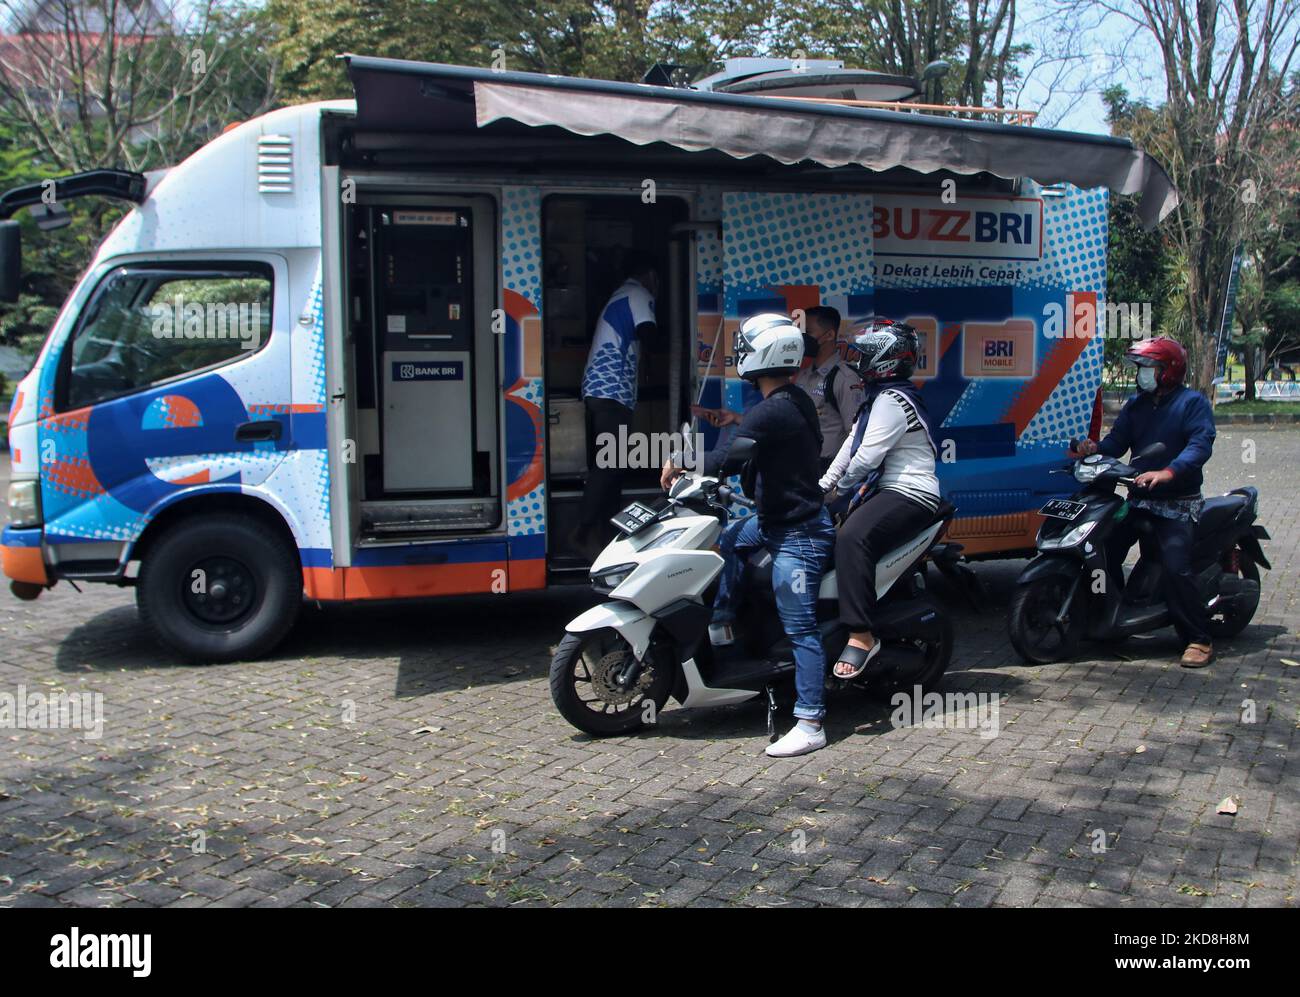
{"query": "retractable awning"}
(396, 95)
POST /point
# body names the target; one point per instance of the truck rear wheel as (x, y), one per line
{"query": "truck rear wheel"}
(220, 588)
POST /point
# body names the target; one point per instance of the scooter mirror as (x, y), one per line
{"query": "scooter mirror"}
(741, 450)
(1153, 452)
(689, 456)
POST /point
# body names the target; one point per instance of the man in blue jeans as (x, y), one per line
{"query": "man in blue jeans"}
(791, 522)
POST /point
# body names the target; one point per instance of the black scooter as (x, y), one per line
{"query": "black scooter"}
(1066, 592)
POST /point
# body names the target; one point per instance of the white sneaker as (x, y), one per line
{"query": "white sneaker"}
(797, 742)
(721, 635)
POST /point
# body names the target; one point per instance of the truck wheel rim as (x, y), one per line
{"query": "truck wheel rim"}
(219, 590)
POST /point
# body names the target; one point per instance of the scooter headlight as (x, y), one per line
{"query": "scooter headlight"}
(1070, 538)
(1086, 471)
(663, 540)
(608, 579)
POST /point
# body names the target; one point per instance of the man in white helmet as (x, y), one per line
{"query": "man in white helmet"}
(791, 523)
(832, 383)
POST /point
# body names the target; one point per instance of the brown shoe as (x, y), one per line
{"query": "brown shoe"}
(1197, 656)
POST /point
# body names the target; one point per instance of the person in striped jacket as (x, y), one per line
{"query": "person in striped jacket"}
(884, 473)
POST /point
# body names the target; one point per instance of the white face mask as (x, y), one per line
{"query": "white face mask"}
(1147, 379)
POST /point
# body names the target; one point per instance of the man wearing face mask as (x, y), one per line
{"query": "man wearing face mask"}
(1167, 497)
(832, 384)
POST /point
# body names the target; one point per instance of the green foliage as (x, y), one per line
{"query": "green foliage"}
(1147, 266)
(138, 106)
(870, 33)
(621, 39)
(51, 260)
(1137, 269)
(307, 38)
(617, 41)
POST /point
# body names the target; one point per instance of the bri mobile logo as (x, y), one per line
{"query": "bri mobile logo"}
(991, 228)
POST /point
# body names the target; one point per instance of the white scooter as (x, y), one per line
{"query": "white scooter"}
(620, 661)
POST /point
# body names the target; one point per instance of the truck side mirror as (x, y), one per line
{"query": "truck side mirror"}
(738, 454)
(49, 217)
(11, 260)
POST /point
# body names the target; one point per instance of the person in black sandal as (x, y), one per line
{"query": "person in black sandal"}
(886, 471)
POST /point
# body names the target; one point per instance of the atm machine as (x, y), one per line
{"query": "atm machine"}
(424, 308)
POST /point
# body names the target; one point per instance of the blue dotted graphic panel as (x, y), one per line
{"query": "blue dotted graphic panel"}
(801, 239)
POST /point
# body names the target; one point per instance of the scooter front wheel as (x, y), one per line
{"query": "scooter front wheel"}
(590, 688)
(1042, 628)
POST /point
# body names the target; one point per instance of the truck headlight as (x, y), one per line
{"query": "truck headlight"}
(1070, 538)
(24, 503)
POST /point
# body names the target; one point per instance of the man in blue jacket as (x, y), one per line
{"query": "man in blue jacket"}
(1168, 497)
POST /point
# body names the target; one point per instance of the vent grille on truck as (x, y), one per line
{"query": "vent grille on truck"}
(275, 164)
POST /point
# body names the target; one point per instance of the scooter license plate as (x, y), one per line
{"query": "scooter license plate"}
(635, 518)
(1062, 509)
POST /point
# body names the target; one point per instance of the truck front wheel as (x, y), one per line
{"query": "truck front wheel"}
(220, 588)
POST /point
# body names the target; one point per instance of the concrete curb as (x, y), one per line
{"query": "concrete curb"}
(1259, 418)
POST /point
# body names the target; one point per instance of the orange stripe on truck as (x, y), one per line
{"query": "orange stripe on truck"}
(991, 534)
(406, 581)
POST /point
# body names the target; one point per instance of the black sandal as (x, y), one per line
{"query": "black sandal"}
(856, 658)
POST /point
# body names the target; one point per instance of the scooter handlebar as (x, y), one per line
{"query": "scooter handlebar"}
(728, 494)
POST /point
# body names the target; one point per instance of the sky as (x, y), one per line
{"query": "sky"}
(1109, 49)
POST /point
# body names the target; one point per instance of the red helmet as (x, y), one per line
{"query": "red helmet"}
(1163, 353)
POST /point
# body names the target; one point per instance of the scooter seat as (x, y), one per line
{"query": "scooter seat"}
(1218, 512)
(945, 510)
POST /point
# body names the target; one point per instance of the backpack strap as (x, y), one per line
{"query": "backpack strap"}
(828, 385)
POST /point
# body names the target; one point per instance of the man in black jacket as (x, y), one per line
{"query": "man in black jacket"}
(791, 522)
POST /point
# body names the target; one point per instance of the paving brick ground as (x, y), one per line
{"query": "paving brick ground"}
(409, 755)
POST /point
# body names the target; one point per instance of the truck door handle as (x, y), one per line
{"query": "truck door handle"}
(256, 432)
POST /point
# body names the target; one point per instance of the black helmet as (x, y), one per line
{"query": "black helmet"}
(882, 348)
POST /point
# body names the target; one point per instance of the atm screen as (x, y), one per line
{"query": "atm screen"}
(414, 260)
(425, 256)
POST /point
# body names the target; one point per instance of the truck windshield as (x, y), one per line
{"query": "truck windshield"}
(146, 326)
